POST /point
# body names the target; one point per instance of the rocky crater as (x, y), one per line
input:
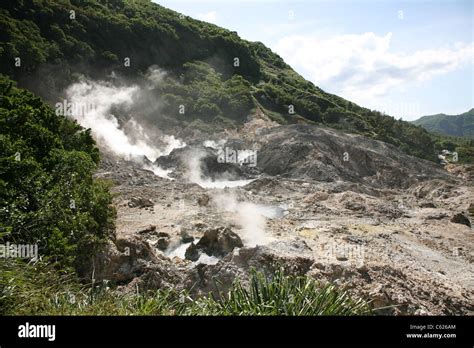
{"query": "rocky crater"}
(339, 207)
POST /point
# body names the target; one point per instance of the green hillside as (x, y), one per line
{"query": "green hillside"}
(58, 39)
(453, 125)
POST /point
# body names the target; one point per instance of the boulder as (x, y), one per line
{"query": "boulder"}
(354, 206)
(295, 257)
(219, 241)
(203, 200)
(162, 243)
(192, 253)
(140, 202)
(123, 260)
(151, 229)
(186, 238)
(460, 218)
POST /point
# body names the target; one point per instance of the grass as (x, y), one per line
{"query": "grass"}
(283, 295)
(39, 289)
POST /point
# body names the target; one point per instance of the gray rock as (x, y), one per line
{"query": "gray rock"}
(219, 241)
(192, 253)
(140, 202)
(460, 218)
(186, 238)
(203, 200)
(427, 205)
(151, 229)
(294, 257)
(313, 152)
(163, 243)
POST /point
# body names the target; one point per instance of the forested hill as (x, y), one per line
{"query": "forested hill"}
(45, 44)
(454, 125)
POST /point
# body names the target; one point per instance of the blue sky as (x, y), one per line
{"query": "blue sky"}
(406, 58)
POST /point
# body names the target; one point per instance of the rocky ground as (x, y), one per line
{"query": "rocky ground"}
(340, 208)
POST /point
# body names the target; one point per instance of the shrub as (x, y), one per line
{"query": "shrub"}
(282, 295)
(47, 194)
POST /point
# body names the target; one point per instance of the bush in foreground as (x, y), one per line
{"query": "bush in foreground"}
(39, 289)
(48, 195)
(282, 295)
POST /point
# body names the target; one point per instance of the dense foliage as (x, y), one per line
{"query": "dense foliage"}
(48, 196)
(456, 125)
(98, 36)
(206, 95)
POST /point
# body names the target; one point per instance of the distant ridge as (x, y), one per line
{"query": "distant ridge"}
(454, 125)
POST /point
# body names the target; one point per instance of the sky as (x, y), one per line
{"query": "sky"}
(405, 58)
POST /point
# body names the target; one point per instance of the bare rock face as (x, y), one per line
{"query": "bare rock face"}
(209, 165)
(316, 197)
(219, 242)
(123, 260)
(465, 172)
(392, 291)
(292, 256)
(312, 152)
(460, 218)
(432, 189)
(127, 259)
(354, 206)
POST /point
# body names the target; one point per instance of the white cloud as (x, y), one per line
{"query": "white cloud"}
(362, 67)
(210, 16)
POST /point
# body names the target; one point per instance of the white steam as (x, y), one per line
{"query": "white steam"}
(194, 174)
(180, 252)
(249, 216)
(96, 100)
(217, 145)
(105, 127)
